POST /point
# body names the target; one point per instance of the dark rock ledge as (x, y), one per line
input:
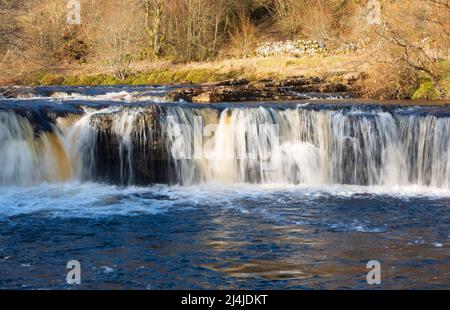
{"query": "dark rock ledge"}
(296, 88)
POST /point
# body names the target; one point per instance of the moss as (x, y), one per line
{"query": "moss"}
(104, 79)
(446, 85)
(154, 77)
(90, 80)
(426, 91)
(136, 80)
(157, 76)
(71, 80)
(51, 79)
(200, 76)
(163, 76)
(185, 75)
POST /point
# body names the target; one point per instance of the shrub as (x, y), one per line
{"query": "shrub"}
(387, 81)
(117, 37)
(426, 91)
(243, 37)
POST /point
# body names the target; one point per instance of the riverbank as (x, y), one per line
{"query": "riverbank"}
(246, 79)
(167, 72)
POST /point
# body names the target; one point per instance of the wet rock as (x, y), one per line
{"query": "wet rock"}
(294, 88)
(14, 92)
(234, 82)
(141, 158)
(244, 94)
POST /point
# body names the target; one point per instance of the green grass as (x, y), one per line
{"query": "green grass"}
(426, 88)
(160, 76)
(278, 67)
(425, 91)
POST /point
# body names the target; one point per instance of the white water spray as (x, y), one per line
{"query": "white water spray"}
(235, 145)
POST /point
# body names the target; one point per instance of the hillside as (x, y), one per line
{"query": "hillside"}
(388, 49)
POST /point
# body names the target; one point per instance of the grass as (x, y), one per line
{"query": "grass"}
(164, 76)
(332, 67)
(254, 68)
(427, 90)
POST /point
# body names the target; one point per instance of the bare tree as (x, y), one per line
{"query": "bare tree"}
(415, 35)
(154, 18)
(118, 36)
(191, 28)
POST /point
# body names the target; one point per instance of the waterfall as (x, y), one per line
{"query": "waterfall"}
(27, 158)
(186, 144)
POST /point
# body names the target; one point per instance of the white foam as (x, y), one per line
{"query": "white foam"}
(79, 200)
(112, 96)
(152, 95)
(92, 200)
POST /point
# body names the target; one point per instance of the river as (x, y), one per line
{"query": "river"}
(151, 194)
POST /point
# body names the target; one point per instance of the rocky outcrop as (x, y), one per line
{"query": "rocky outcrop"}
(141, 158)
(296, 88)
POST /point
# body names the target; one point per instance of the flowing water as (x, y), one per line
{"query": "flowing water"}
(147, 193)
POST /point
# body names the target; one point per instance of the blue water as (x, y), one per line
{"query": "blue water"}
(216, 237)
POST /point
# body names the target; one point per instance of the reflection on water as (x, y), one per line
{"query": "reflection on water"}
(207, 237)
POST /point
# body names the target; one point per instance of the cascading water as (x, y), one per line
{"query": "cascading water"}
(267, 145)
(265, 195)
(246, 144)
(28, 158)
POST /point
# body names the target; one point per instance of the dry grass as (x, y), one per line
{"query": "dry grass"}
(252, 68)
(281, 67)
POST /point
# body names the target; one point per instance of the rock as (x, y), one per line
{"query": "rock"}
(203, 97)
(297, 48)
(293, 88)
(12, 92)
(234, 82)
(147, 148)
(184, 94)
